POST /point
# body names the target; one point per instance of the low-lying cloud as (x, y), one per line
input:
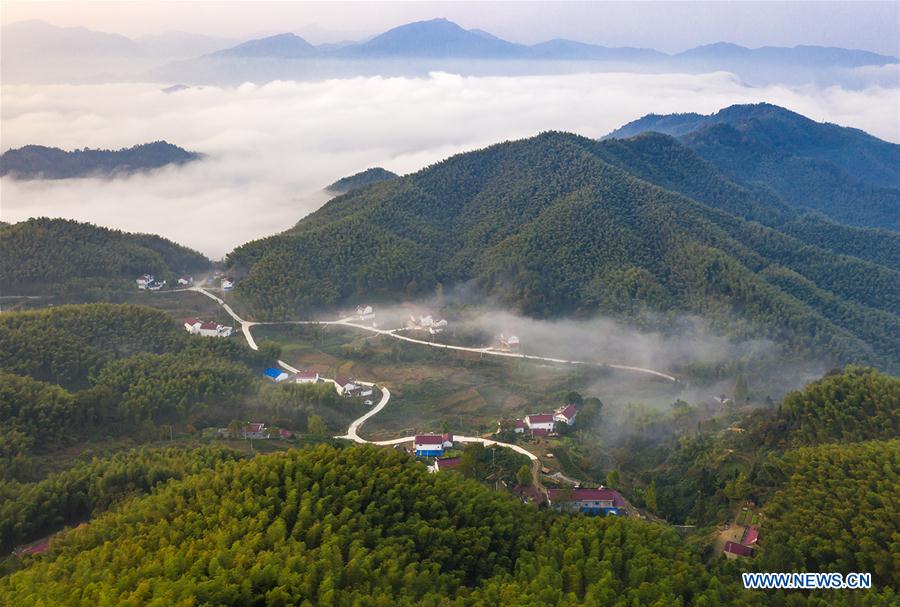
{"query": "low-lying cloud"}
(271, 148)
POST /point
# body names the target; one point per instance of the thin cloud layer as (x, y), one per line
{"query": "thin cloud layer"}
(271, 148)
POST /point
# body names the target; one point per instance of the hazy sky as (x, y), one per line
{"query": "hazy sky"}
(667, 26)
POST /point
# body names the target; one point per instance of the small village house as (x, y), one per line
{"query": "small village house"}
(540, 423)
(254, 430)
(206, 328)
(304, 377)
(365, 312)
(276, 375)
(590, 501)
(227, 284)
(429, 445)
(346, 386)
(185, 280)
(144, 280)
(566, 415)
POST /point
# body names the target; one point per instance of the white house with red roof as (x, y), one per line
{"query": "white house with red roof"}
(566, 414)
(520, 426)
(304, 377)
(429, 445)
(542, 422)
(206, 328)
(254, 430)
(590, 501)
(346, 386)
(144, 280)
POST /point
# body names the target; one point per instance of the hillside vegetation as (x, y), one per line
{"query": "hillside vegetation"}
(360, 180)
(70, 373)
(358, 526)
(41, 162)
(559, 224)
(61, 253)
(843, 173)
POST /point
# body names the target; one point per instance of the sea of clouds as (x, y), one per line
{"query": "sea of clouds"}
(272, 148)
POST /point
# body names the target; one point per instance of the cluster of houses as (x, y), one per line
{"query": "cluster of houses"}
(206, 328)
(345, 386)
(746, 545)
(300, 377)
(427, 323)
(507, 344)
(255, 430)
(147, 282)
(542, 424)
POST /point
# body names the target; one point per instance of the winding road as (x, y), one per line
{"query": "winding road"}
(353, 431)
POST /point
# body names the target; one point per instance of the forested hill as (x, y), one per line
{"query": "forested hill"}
(844, 173)
(41, 162)
(361, 179)
(41, 252)
(560, 224)
(360, 526)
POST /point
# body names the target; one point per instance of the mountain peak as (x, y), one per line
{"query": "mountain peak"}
(285, 46)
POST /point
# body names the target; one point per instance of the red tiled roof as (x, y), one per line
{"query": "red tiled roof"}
(541, 418)
(191, 321)
(254, 427)
(751, 535)
(540, 432)
(448, 462)
(738, 549)
(520, 423)
(209, 325)
(429, 439)
(447, 437)
(568, 412)
(583, 494)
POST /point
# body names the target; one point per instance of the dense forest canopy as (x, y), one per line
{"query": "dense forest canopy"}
(360, 526)
(560, 224)
(66, 253)
(41, 162)
(844, 173)
(70, 372)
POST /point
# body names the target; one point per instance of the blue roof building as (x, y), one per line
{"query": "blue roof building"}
(275, 374)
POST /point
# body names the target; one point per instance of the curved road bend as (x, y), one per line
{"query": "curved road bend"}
(353, 430)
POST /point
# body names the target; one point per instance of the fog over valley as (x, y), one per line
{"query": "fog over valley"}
(272, 148)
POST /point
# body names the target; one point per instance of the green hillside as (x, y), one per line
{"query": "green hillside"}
(57, 253)
(841, 172)
(358, 526)
(559, 224)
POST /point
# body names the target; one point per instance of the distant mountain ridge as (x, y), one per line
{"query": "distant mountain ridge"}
(559, 224)
(41, 162)
(844, 173)
(441, 38)
(40, 52)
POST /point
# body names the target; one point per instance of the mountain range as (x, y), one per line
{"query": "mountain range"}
(41, 162)
(843, 173)
(37, 51)
(559, 224)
